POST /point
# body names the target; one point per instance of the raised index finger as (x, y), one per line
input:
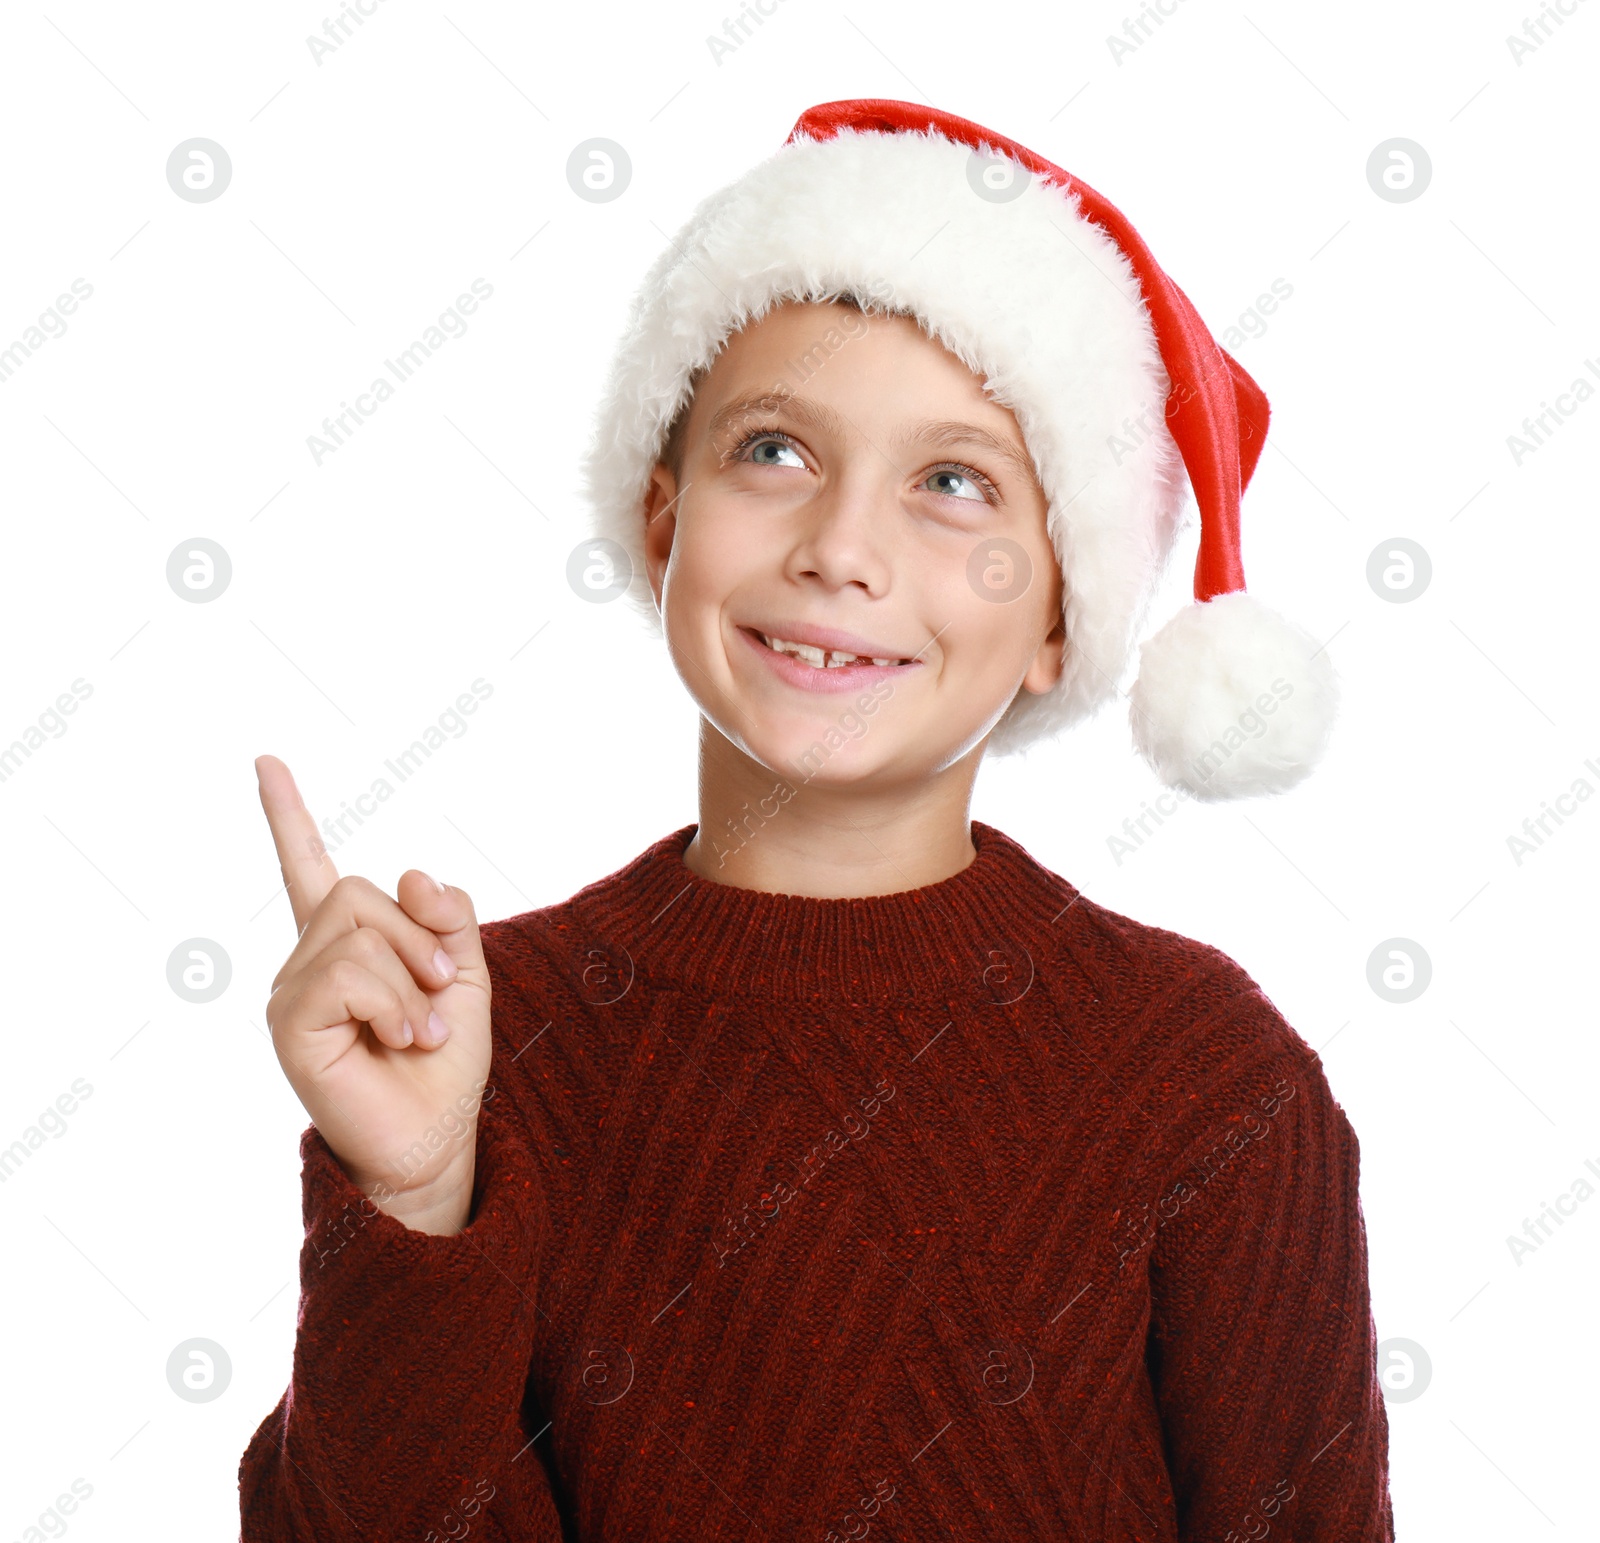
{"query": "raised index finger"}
(308, 871)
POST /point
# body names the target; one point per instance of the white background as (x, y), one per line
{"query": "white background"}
(368, 592)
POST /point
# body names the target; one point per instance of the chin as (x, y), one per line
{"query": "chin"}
(819, 755)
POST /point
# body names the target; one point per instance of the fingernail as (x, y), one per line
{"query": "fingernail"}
(438, 1029)
(444, 964)
(406, 1036)
(433, 881)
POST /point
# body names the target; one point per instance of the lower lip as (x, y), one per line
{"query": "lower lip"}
(808, 677)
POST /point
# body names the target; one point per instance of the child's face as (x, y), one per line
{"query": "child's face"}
(853, 505)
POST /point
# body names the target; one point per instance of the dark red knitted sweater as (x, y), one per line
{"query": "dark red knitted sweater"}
(975, 1211)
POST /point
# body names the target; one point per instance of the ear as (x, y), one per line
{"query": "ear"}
(660, 515)
(1050, 659)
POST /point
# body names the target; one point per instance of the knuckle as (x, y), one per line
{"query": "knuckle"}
(345, 975)
(350, 886)
(369, 943)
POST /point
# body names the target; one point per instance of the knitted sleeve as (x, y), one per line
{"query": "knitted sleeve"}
(1262, 1349)
(403, 1415)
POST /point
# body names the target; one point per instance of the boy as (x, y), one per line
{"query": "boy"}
(833, 1165)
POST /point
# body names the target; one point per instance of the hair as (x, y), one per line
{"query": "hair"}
(672, 450)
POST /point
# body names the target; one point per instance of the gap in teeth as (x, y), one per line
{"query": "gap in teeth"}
(819, 658)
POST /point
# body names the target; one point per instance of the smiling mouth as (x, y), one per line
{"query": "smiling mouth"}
(824, 658)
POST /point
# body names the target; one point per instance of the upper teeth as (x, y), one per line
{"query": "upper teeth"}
(826, 658)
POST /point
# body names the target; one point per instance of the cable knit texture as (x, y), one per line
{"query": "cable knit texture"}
(974, 1211)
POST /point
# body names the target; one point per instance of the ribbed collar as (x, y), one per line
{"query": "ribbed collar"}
(977, 934)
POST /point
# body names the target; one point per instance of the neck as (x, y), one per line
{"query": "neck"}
(781, 833)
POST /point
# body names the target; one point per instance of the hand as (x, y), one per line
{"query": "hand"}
(380, 1017)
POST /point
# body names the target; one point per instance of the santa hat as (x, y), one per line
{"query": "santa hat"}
(1042, 288)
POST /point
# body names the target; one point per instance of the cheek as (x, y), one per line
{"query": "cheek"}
(709, 560)
(982, 604)
(1001, 574)
(997, 644)
(992, 645)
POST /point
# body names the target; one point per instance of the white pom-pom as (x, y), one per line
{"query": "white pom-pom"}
(1232, 700)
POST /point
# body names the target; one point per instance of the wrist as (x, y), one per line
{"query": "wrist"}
(443, 1213)
(442, 1205)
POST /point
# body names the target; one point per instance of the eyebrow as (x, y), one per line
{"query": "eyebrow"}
(943, 432)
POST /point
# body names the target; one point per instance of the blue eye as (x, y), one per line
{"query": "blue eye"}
(963, 474)
(766, 437)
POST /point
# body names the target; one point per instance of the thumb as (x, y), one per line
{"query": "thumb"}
(447, 912)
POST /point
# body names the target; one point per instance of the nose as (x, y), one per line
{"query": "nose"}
(844, 533)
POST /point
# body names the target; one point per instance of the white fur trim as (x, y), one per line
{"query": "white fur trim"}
(1197, 707)
(1030, 295)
